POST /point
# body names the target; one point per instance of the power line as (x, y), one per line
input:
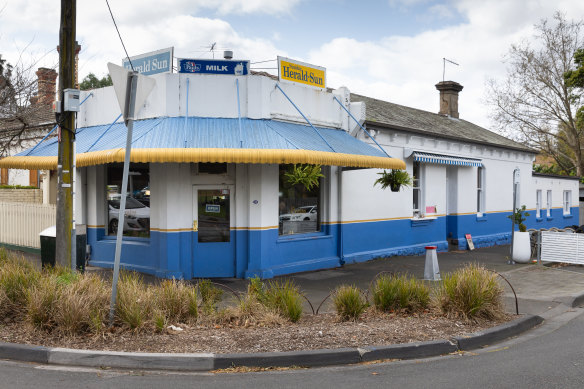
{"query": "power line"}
(121, 40)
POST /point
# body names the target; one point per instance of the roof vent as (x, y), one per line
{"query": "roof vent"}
(228, 54)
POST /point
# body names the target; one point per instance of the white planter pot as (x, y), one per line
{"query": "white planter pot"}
(521, 247)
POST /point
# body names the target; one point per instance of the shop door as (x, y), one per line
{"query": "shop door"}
(213, 240)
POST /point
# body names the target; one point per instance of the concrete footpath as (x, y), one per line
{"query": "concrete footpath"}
(542, 292)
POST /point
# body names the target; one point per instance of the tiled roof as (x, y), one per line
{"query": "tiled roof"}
(389, 115)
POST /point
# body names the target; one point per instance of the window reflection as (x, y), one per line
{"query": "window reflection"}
(298, 207)
(137, 213)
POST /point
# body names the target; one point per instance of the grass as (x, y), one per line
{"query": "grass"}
(349, 302)
(17, 276)
(282, 297)
(391, 293)
(472, 293)
(175, 301)
(210, 296)
(134, 301)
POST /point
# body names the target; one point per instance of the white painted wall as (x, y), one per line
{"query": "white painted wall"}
(216, 96)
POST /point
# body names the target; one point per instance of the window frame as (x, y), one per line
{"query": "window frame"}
(567, 202)
(549, 203)
(538, 200)
(480, 190)
(417, 190)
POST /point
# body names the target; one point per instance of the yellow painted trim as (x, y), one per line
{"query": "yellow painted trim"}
(161, 155)
(254, 228)
(375, 220)
(98, 226)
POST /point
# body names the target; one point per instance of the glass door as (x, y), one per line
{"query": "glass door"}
(213, 218)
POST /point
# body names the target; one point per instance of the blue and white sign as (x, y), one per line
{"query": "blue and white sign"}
(214, 66)
(151, 63)
(212, 208)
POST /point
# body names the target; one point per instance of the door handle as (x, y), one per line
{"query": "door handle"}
(195, 225)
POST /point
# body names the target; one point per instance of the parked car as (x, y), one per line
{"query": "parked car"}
(136, 215)
(305, 213)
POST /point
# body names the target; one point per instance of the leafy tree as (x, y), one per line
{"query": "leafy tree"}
(535, 104)
(92, 82)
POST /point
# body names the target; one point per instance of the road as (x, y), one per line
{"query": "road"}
(551, 356)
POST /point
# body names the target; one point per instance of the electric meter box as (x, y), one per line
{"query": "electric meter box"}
(71, 100)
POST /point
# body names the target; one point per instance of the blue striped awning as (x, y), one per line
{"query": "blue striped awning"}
(442, 159)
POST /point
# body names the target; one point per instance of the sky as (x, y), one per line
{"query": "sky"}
(387, 49)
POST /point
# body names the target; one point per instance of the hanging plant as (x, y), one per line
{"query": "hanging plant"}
(307, 175)
(394, 179)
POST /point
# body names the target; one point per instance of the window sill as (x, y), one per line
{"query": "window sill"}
(127, 239)
(302, 237)
(481, 217)
(421, 222)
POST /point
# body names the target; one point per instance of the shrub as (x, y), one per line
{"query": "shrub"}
(82, 305)
(133, 301)
(16, 277)
(392, 293)
(472, 293)
(41, 300)
(210, 296)
(176, 301)
(284, 297)
(349, 302)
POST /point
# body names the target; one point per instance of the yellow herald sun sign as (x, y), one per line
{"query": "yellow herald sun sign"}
(299, 72)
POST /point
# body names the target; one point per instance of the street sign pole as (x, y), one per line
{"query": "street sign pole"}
(516, 180)
(130, 107)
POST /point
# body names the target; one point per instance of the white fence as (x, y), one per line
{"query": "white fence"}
(21, 223)
(562, 247)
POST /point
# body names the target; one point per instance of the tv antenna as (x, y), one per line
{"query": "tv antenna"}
(444, 60)
(212, 48)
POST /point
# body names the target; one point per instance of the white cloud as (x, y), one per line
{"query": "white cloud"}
(404, 69)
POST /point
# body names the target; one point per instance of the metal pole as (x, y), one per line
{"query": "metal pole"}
(64, 219)
(511, 261)
(130, 107)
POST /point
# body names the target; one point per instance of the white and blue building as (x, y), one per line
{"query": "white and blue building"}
(211, 195)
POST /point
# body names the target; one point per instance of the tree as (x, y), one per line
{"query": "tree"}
(92, 82)
(22, 119)
(535, 104)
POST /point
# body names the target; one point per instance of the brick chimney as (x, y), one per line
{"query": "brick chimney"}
(449, 97)
(47, 80)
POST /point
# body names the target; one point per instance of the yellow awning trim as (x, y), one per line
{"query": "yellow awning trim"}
(261, 156)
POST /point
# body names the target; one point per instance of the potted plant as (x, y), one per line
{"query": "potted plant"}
(394, 179)
(521, 241)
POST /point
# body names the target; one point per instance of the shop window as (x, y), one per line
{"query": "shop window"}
(538, 203)
(417, 190)
(137, 215)
(549, 204)
(480, 190)
(567, 202)
(299, 207)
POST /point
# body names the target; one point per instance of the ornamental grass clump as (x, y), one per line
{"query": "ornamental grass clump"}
(349, 302)
(210, 296)
(134, 302)
(176, 301)
(472, 293)
(392, 293)
(16, 277)
(282, 297)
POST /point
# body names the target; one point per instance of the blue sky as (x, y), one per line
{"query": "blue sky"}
(387, 49)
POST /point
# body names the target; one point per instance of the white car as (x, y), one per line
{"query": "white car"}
(305, 213)
(137, 215)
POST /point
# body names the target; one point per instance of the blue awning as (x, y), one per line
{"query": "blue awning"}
(443, 159)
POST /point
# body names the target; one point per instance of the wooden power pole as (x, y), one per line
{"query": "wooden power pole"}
(67, 47)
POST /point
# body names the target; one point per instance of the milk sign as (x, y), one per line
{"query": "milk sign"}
(213, 66)
(151, 63)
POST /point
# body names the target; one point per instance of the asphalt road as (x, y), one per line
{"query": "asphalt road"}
(549, 357)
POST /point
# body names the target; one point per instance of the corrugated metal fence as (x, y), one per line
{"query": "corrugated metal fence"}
(562, 247)
(21, 223)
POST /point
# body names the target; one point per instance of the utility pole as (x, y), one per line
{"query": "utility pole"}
(66, 121)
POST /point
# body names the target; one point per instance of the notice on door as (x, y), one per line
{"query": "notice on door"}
(212, 208)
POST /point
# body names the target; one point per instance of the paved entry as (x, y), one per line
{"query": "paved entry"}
(213, 242)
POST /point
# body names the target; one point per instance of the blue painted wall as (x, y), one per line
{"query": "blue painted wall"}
(266, 254)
